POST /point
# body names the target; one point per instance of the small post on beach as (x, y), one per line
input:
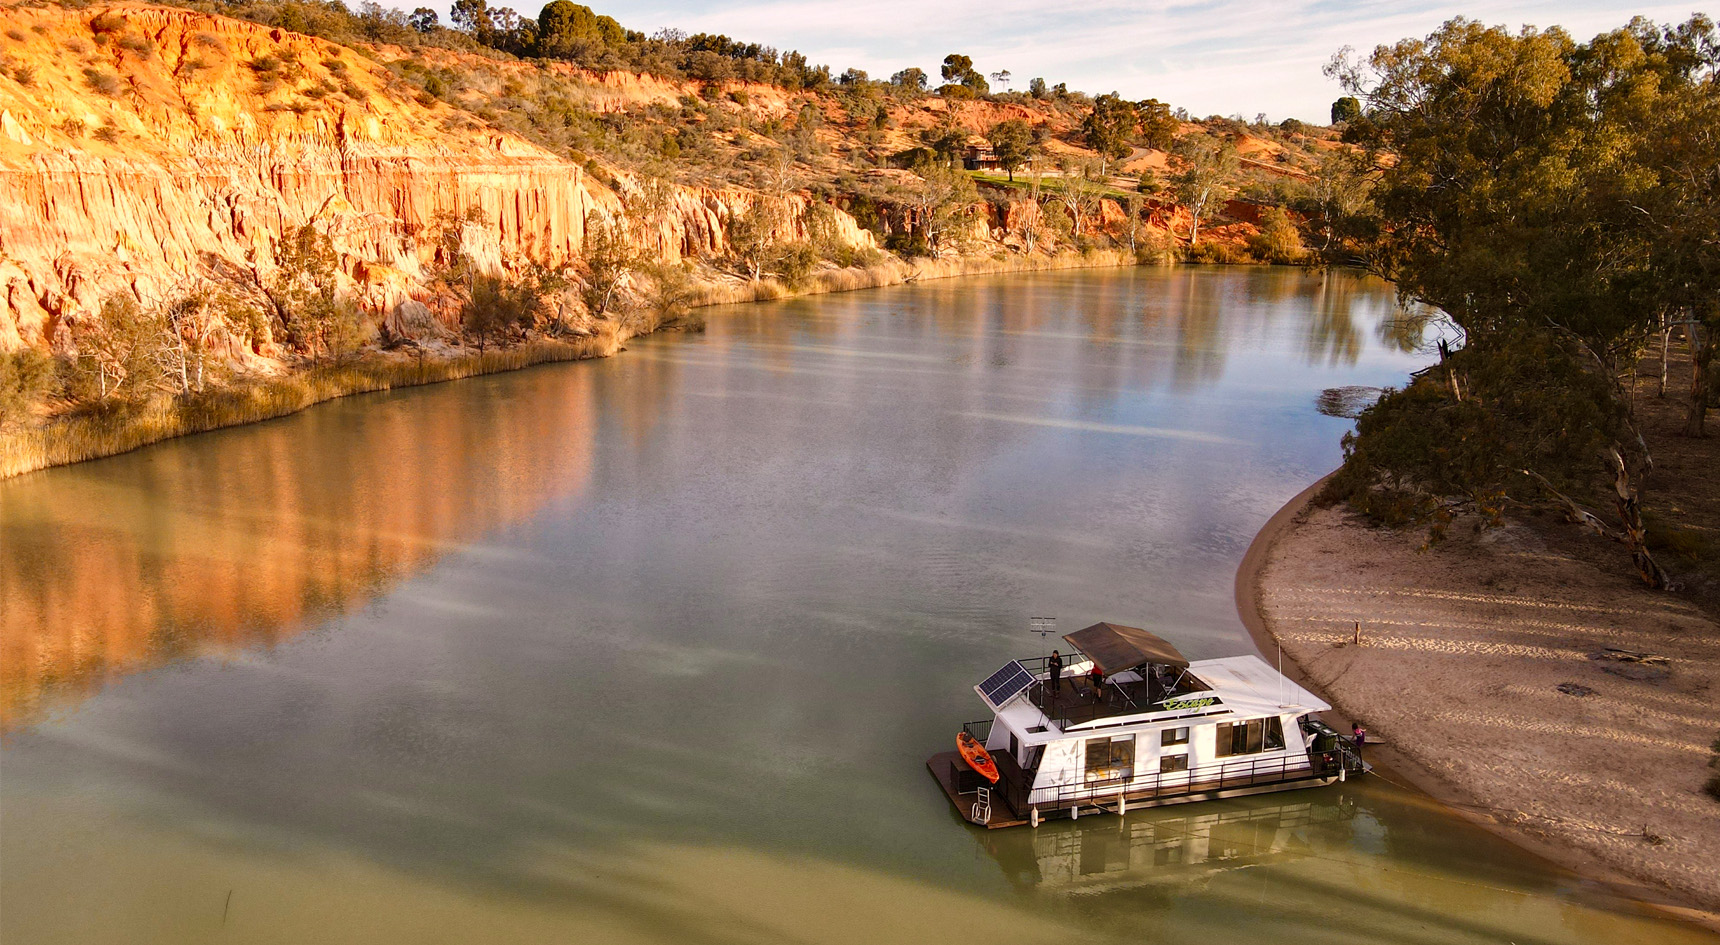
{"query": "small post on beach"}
(1357, 639)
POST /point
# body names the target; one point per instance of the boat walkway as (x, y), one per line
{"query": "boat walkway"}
(1009, 797)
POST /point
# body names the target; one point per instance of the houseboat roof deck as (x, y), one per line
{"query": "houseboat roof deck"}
(1115, 648)
(1244, 685)
(1075, 701)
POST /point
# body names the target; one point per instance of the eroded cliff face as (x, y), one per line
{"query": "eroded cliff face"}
(151, 149)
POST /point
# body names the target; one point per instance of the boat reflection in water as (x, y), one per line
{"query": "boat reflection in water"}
(1168, 848)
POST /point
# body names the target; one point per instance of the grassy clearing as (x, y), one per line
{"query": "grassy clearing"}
(121, 428)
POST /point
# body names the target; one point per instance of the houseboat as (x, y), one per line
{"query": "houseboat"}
(1127, 721)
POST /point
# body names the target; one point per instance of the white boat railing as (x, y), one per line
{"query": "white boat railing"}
(1219, 776)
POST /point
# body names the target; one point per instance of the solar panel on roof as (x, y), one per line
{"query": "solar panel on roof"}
(1006, 684)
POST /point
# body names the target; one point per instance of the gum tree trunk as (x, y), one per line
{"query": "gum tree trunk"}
(1702, 341)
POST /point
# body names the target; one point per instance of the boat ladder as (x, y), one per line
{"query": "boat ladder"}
(982, 805)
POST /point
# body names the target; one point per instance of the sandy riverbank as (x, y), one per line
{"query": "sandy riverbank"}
(1463, 650)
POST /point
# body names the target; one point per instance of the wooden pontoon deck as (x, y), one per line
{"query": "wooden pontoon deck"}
(961, 784)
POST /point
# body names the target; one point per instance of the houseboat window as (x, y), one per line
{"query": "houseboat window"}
(1110, 758)
(1014, 746)
(1169, 763)
(1175, 736)
(1247, 738)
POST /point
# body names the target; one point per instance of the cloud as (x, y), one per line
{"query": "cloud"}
(1235, 57)
(1220, 57)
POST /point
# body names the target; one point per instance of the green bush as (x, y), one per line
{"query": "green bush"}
(1527, 402)
(795, 264)
(316, 320)
(26, 377)
(1278, 242)
(1222, 254)
(1686, 543)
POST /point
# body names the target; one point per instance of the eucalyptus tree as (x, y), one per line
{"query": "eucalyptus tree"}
(1204, 181)
(1110, 128)
(1012, 143)
(1554, 199)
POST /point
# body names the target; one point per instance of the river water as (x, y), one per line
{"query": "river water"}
(654, 649)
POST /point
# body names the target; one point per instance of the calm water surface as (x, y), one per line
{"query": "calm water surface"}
(654, 649)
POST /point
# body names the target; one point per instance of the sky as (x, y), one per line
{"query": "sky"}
(1225, 57)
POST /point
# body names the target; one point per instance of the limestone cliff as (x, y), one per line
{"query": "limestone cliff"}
(150, 148)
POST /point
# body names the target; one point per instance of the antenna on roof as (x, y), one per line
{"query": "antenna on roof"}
(1044, 626)
(1281, 694)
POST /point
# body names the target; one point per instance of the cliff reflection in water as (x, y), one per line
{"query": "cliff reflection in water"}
(181, 550)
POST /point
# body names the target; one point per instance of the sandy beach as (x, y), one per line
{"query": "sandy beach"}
(1560, 702)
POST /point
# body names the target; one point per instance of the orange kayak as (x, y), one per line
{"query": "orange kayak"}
(976, 756)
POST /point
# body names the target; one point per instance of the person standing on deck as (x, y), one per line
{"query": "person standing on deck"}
(1097, 678)
(1056, 665)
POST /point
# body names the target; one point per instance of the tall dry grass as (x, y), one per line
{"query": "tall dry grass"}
(120, 428)
(896, 272)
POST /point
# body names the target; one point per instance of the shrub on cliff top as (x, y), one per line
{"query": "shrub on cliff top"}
(137, 44)
(102, 81)
(107, 23)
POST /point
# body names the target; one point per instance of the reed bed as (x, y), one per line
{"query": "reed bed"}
(896, 272)
(120, 428)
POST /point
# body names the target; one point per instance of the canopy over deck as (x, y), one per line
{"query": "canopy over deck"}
(1115, 648)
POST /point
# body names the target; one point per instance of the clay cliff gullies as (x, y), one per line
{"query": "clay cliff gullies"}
(183, 145)
(180, 551)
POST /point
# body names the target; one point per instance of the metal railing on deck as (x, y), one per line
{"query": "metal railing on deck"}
(1218, 776)
(980, 729)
